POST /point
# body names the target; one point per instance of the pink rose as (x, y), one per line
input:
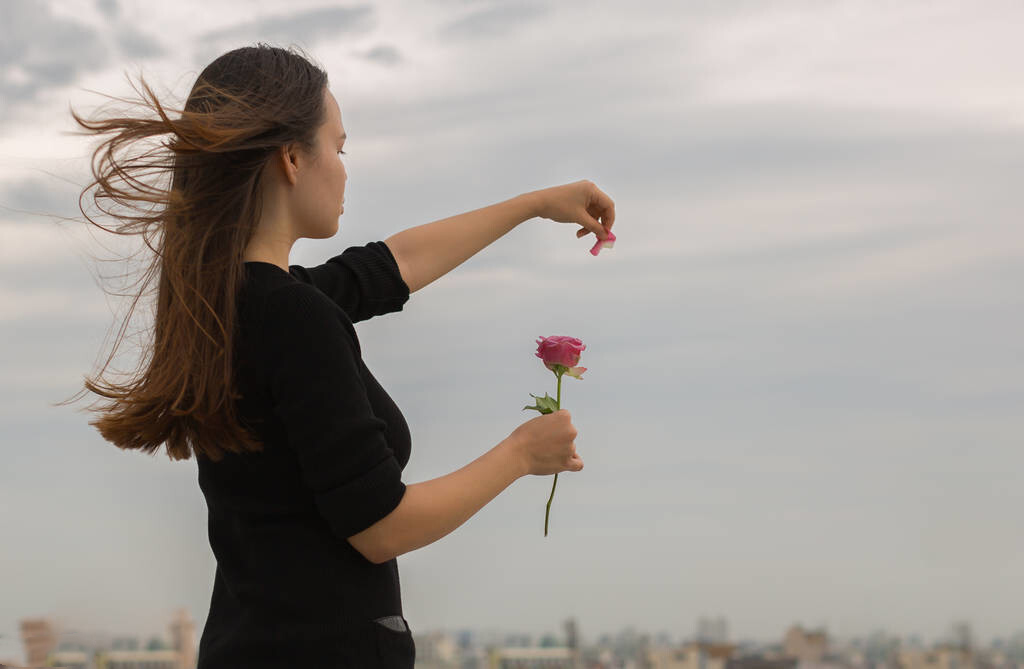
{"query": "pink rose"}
(560, 355)
(564, 351)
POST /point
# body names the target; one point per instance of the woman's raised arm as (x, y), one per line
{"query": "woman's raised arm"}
(427, 252)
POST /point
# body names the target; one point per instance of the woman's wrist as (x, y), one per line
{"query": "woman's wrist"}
(516, 454)
(532, 199)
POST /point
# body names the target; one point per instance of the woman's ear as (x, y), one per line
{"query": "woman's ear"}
(287, 158)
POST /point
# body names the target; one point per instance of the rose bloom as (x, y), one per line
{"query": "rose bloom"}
(559, 350)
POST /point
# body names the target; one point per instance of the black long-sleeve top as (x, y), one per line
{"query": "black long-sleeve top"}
(290, 590)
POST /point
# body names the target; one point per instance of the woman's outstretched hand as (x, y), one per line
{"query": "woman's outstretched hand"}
(582, 203)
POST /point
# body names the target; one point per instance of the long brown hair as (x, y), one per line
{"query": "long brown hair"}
(243, 106)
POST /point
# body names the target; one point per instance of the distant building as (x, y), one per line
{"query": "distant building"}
(573, 641)
(946, 656)
(69, 659)
(183, 639)
(138, 659)
(882, 649)
(572, 634)
(530, 658)
(961, 636)
(39, 638)
(694, 655)
(712, 630)
(756, 662)
(805, 645)
(125, 643)
(1015, 648)
(437, 650)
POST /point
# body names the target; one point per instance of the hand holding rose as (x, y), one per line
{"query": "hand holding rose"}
(546, 444)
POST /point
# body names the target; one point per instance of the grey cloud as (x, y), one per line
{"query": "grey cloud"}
(384, 54)
(39, 51)
(465, 3)
(495, 21)
(135, 44)
(108, 8)
(39, 200)
(304, 27)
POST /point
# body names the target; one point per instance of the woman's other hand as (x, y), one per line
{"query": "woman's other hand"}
(582, 203)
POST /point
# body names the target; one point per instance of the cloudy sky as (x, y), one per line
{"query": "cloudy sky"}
(806, 382)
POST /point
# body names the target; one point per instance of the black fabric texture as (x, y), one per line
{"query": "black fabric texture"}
(289, 589)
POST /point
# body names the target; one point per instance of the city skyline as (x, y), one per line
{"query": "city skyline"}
(46, 642)
(714, 630)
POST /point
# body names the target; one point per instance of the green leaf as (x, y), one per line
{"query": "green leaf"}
(544, 404)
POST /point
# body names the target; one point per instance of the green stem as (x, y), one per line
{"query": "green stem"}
(548, 510)
(558, 405)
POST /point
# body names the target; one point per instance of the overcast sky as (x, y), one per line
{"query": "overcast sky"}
(806, 382)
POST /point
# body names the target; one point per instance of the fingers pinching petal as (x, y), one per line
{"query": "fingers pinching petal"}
(593, 225)
(608, 209)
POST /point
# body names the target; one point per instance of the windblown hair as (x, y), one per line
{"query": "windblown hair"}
(244, 106)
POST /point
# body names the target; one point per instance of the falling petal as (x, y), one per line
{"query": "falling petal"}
(609, 242)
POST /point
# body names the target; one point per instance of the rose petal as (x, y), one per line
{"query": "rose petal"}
(576, 372)
(609, 242)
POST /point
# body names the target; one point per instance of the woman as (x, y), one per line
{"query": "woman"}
(256, 369)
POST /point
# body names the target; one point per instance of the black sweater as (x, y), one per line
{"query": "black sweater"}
(289, 590)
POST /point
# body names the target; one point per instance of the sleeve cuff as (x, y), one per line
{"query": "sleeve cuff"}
(360, 503)
(383, 288)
